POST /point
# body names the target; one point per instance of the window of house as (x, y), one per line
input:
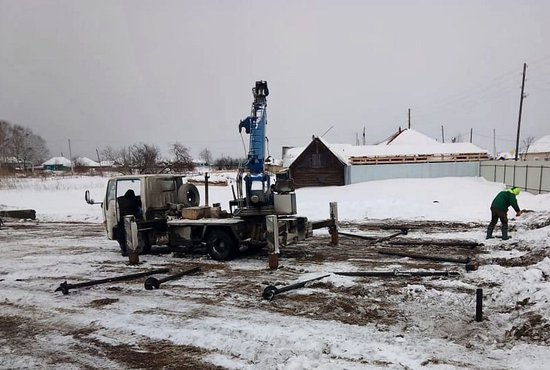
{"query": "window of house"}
(316, 160)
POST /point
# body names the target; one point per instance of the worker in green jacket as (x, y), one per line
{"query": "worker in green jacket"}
(499, 210)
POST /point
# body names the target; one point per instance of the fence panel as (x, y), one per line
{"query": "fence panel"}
(531, 176)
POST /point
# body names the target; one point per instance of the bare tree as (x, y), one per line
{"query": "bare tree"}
(206, 156)
(525, 145)
(26, 147)
(5, 129)
(228, 163)
(21, 144)
(120, 158)
(38, 149)
(144, 157)
(140, 157)
(182, 160)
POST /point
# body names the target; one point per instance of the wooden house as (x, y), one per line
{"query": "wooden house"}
(317, 165)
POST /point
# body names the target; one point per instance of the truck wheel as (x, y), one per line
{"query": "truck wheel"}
(122, 244)
(220, 245)
(121, 239)
(144, 244)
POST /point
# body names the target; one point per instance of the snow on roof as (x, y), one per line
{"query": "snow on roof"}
(542, 145)
(504, 155)
(57, 160)
(409, 137)
(86, 162)
(407, 142)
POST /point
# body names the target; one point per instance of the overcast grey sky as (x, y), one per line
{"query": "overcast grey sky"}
(119, 72)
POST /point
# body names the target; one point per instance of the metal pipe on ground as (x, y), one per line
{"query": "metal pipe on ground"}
(426, 257)
(398, 273)
(470, 264)
(154, 283)
(64, 287)
(375, 240)
(270, 291)
(444, 243)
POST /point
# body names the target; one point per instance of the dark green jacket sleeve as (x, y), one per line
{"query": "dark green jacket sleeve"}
(514, 202)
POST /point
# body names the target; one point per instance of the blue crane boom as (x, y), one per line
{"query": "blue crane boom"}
(257, 181)
(254, 125)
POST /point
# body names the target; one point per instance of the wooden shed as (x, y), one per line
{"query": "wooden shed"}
(317, 165)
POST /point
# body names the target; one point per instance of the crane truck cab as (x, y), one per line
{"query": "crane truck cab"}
(152, 199)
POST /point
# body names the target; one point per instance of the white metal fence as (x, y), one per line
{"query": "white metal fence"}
(531, 176)
(360, 173)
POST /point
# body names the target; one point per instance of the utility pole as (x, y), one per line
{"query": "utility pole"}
(471, 134)
(71, 157)
(494, 143)
(409, 117)
(99, 161)
(520, 109)
(442, 134)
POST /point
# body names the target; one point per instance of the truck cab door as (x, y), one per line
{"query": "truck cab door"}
(110, 212)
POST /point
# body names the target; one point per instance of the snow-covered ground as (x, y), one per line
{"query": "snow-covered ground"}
(348, 322)
(449, 199)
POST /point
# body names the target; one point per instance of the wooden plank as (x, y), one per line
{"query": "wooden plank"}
(22, 214)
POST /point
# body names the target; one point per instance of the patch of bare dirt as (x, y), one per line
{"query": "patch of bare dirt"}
(528, 259)
(534, 329)
(102, 302)
(146, 354)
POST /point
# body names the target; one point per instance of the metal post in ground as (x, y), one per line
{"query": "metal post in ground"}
(479, 304)
(272, 236)
(333, 229)
(130, 229)
(206, 177)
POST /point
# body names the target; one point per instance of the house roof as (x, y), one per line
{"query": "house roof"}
(408, 137)
(86, 162)
(57, 160)
(542, 145)
(338, 150)
(405, 142)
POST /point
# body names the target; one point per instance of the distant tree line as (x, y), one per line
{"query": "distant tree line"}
(145, 158)
(20, 147)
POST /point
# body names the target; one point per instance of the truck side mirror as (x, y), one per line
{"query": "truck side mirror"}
(89, 200)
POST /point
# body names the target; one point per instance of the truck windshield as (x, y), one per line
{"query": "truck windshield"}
(131, 184)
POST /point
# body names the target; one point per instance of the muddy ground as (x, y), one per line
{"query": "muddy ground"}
(40, 328)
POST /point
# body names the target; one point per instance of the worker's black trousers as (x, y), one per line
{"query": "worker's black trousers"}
(497, 214)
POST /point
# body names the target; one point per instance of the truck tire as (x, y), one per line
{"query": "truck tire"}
(188, 195)
(144, 244)
(221, 246)
(123, 251)
(121, 239)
